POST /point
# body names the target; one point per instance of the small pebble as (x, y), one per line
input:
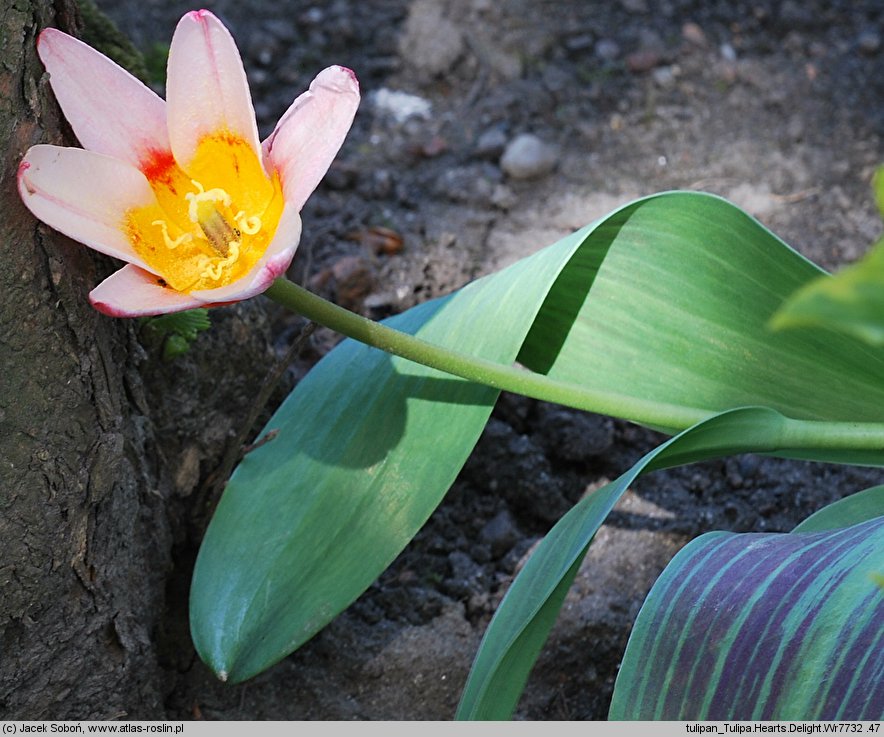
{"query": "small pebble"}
(500, 533)
(582, 42)
(635, 6)
(607, 50)
(868, 42)
(491, 143)
(527, 157)
(692, 33)
(643, 60)
(401, 105)
(664, 76)
(313, 16)
(503, 197)
(430, 43)
(728, 53)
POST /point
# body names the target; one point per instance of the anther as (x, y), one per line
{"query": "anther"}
(201, 199)
(214, 271)
(248, 225)
(170, 243)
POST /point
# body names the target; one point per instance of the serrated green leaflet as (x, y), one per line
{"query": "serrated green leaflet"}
(755, 626)
(659, 309)
(186, 324)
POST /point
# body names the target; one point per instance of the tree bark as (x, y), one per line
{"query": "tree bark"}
(82, 510)
(101, 447)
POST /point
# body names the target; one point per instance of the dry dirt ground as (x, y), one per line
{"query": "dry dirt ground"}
(777, 106)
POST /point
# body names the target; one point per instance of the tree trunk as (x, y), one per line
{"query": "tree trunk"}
(101, 445)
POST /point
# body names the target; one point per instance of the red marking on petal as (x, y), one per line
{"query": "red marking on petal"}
(105, 309)
(156, 165)
(351, 73)
(200, 15)
(22, 168)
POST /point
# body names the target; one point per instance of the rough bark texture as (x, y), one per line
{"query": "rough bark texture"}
(82, 510)
(96, 469)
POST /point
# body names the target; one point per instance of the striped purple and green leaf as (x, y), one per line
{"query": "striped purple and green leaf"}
(760, 626)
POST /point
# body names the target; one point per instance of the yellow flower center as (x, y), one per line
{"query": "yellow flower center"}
(213, 219)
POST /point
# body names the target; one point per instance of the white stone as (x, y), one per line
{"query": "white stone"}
(401, 105)
(431, 44)
(527, 157)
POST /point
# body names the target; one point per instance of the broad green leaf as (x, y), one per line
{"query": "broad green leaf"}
(677, 315)
(353, 463)
(757, 626)
(659, 309)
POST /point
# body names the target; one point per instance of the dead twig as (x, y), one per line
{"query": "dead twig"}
(237, 448)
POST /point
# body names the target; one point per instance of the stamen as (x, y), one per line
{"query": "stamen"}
(170, 243)
(234, 253)
(214, 271)
(250, 225)
(202, 196)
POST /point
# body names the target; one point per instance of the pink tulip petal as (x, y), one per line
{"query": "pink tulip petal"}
(206, 89)
(134, 292)
(273, 263)
(84, 195)
(110, 111)
(309, 135)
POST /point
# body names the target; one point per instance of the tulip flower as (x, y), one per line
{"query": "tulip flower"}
(184, 191)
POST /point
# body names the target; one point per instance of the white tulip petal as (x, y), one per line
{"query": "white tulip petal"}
(110, 111)
(206, 90)
(84, 195)
(310, 134)
(134, 292)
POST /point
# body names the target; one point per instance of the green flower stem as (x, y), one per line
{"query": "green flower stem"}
(801, 433)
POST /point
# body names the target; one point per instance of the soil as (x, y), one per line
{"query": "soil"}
(776, 106)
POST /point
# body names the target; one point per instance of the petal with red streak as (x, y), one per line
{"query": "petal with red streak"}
(84, 195)
(134, 292)
(110, 111)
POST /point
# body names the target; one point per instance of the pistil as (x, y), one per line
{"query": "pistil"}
(220, 234)
(203, 209)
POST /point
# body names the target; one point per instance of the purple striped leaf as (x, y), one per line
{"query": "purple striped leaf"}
(760, 626)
